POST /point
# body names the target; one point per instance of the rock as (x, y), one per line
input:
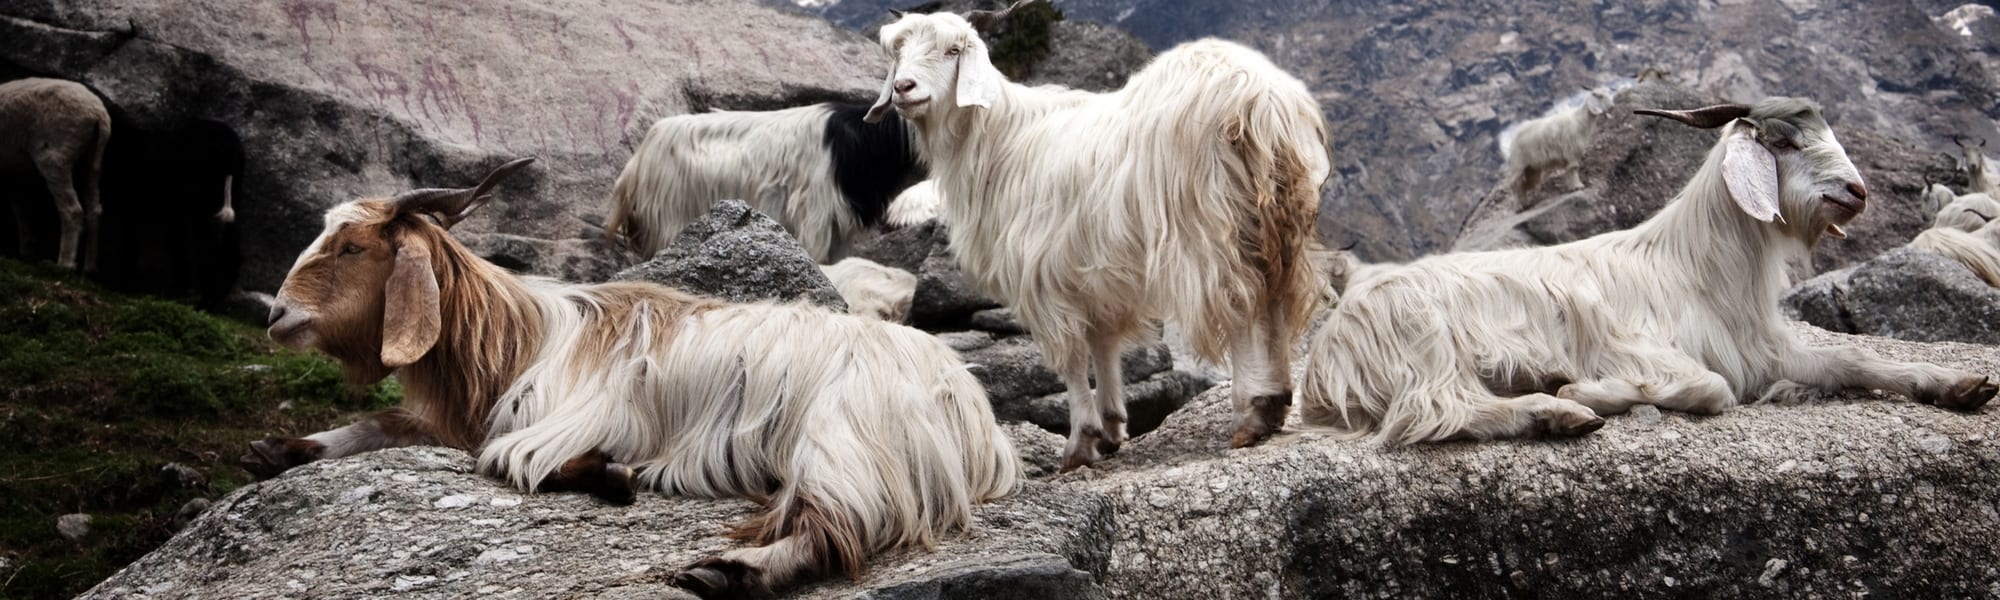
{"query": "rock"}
(966, 341)
(1147, 403)
(737, 254)
(178, 476)
(582, 259)
(336, 101)
(1090, 56)
(998, 320)
(944, 298)
(1848, 494)
(189, 512)
(1014, 374)
(73, 526)
(1906, 294)
(369, 525)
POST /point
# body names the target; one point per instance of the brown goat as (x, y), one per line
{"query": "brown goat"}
(610, 387)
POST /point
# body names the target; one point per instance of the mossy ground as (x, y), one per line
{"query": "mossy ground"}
(98, 391)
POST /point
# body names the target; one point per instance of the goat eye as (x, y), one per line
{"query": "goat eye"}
(351, 249)
(951, 51)
(1784, 144)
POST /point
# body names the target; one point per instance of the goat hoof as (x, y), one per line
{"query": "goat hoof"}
(619, 487)
(1967, 396)
(1249, 434)
(272, 456)
(1573, 425)
(719, 578)
(1082, 456)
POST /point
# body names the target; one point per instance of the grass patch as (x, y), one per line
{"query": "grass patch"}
(99, 390)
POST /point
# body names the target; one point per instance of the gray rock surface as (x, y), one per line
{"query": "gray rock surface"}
(1856, 494)
(73, 526)
(1905, 294)
(1090, 56)
(337, 100)
(737, 254)
(945, 299)
(573, 259)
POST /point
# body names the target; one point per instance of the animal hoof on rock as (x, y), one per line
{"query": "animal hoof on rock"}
(1249, 434)
(271, 456)
(620, 485)
(1967, 395)
(1573, 425)
(719, 578)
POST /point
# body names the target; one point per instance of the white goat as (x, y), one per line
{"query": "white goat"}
(1554, 142)
(56, 130)
(819, 170)
(1190, 194)
(1978, 250)
(1680, 311)
(855, 435)
(872, 289)
(1966, 212)
(1982, 181)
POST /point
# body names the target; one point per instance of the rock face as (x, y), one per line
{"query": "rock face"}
(1905, 294)
(335, 101)
(737, 254)
(1842, 496)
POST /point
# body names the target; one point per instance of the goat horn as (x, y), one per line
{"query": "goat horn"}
(895, 14)
(1705, 118)
(986, 20)
(452, 205)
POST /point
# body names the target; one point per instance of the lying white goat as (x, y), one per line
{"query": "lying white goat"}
(1679, 312)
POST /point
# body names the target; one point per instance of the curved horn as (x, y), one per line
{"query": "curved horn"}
(1705, 118)
(896, 14)
(452, 205)
(986, 20)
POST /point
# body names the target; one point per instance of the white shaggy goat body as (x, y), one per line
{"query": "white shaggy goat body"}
(1978, 250)
(872, 289)
(1189, 195)
(1554, 142)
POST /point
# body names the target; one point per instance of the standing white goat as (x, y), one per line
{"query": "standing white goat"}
(855, 435)
(1982, 181)
(1554, 142)
(1190, 194)
(1679, 312)
(819, 170)
(56, 130)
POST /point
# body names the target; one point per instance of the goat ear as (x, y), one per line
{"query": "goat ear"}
(978, 80)
(410, 313)
(881, 107)
(1751, 173)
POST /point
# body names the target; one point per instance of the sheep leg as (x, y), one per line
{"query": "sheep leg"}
(597, 474)
(68, 209)
(1105, 357)
(1260, 371)
(1848, 367)
(1498, 417)
(803, 537)
(387, 429)
(1675, 381)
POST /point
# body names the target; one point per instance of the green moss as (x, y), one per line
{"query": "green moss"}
(1025, 40)
(99, 390)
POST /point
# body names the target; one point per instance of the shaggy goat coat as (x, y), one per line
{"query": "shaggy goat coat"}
(856, 435)
(1190, 194)
(1978, 250)
(819, 170)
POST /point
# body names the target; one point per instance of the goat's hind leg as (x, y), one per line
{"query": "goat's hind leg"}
(802, 537)
(1261, 380)
(1110, 394)
(1528, 415)
(1674, 381)
(594, 473)
(68, 209)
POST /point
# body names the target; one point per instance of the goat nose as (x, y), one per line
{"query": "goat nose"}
(277, 313)
(903, 86)
(1860, 192)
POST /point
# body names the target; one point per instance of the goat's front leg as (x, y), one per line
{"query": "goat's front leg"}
(1106, 359)
(1848, 367)
(387, 429)
(595, 473)
(1086, 421)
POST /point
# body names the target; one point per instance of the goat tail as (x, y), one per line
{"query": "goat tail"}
(1283, 141)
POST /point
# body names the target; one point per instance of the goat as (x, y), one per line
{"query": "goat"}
(856, 435)
(1966, 212)
(1554, 142)
(914, 206)
(1679, 311)
(872, 289)
(1978, 250)
(1189, 194)
(57, 130)
(819, 170)
(1982, 182)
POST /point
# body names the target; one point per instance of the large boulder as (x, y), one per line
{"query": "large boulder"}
(1906, 294)
(335, 101)
(737, 254)
(1853, 494)
(945, 299)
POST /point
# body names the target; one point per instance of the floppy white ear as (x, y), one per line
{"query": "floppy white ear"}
(881, 107)
(978, 81)
(1752, 175)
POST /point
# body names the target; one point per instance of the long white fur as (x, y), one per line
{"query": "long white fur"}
(1978, 250)
(1967, 212)
(1554, 142)
(915, 205)
(1680, 311)
(872, 289)
(1090, 214)
(776, 161)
